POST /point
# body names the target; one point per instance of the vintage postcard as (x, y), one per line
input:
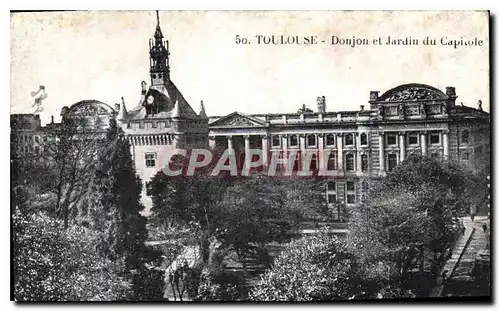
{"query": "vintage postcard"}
(250, 156)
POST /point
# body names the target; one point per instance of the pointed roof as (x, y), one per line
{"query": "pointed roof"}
(175, 113)
(122, 113)
(158, 34)
(202, 114)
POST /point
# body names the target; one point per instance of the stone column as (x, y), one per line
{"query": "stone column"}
(302, 142)
(230, 144)
(402, 146)
(340, 151)
(211, 141)
(445, 145)
(247, 145)
(321, 155)
(284, 143)
(265, 150)
(381, 152)
(423, 142)
(358, 153)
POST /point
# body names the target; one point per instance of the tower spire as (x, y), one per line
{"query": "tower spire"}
(159, 56)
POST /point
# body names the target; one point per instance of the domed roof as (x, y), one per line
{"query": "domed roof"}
(89, 108)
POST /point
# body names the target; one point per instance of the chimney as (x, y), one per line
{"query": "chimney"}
(362, 107)
(480, 105)
(450, 91)
(321, 101)
(52, 119)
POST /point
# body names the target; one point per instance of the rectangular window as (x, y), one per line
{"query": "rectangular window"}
(141, 125)
(351, 199)
(413, 139)
(276, 141)
(148, 188)
(311, 140)
(349, 162)
(331, 186)
(434, 138)
(150, 159)
(349, 140)
(351, 186)
(294, 142)
(332, 198)
(364, 162)
(154, 125)
(392, 139)
(330, 139)
(392, 162)
(364, 139)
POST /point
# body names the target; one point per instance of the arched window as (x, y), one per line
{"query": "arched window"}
(392, 161)
(349, 162)
(330, 139)
(276, 141)
(294, 142)
(332, 164)
(311, 140)
(314, 163)
(349, 140)
(364, 139)
(465, 137)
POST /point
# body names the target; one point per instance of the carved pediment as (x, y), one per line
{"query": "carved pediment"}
(237, 120)
(412, 92)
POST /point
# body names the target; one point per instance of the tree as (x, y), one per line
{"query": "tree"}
(116, 207)
(312, 268)
(52, 263)
(410, 214)
(66, 164)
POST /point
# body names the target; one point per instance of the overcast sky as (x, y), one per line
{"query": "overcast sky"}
(104, 56)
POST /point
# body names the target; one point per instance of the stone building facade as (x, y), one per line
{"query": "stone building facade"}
(159, 125)
(366, 143)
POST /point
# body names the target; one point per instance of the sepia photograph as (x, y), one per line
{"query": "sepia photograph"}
(250, 156)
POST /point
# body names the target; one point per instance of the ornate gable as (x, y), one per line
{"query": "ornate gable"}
(237, 120)
(412, 92)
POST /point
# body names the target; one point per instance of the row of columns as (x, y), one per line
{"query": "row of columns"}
(402, 146)
(340, 151)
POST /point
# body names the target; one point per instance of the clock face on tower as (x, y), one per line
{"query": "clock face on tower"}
(150, 100)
